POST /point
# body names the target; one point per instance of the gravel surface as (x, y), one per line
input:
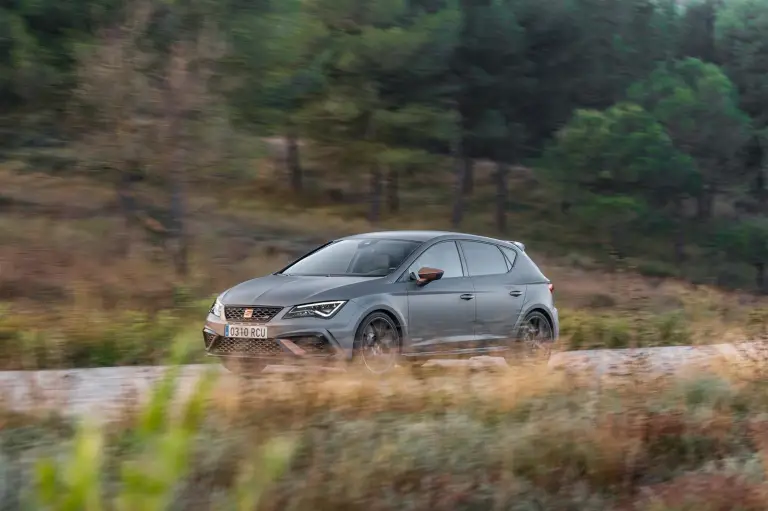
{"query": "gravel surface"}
(102, 392)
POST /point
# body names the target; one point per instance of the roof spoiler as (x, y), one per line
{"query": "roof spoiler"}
(518, 244)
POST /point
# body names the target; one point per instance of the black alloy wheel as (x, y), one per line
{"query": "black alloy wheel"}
(535, 337)
(377, 345)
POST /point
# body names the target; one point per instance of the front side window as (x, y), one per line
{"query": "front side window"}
(442, 256)
(483, 259)
(355, 257)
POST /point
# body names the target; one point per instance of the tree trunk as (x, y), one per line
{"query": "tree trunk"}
(393, 190)
(458, 200)
(375, 192)
(501, 196)
(468, 181)
(175, 83)
(679, 243)
(760, 192)
(760, 277)
(179, 198)
(755, 162)
(705, 203)
(293, 161)
(178, 213)
(127, 202)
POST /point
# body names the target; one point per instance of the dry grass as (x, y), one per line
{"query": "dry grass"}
(518, 440)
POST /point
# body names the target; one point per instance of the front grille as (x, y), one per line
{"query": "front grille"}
(313, 345)
(244, 347)
(208, 338)
(259, 314)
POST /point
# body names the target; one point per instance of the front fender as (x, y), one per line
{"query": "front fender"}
(397, 307)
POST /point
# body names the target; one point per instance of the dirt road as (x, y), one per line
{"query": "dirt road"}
(103, 392)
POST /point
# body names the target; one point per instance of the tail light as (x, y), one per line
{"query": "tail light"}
(551, 288)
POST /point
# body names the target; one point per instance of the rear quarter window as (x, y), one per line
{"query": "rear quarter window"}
(483, 259)
(511, 256)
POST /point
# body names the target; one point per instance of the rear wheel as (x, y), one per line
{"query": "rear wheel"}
(534, 340)
(377, 343)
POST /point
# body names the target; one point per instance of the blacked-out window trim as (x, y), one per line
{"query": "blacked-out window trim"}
(504, 252)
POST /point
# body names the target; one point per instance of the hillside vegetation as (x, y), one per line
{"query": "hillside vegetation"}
(632, 130)
(153, 154)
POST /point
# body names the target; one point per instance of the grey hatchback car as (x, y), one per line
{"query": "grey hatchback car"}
(384, 298)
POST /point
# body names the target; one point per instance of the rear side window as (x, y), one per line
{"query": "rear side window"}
(483, 259)
(511, 256)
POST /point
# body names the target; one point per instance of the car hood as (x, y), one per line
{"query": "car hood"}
(284, 290)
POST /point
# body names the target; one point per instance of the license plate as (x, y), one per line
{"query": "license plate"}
(246, 331)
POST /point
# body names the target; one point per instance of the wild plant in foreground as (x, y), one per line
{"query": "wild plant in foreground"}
(151, 472)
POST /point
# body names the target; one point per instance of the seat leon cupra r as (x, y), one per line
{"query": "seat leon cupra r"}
(387, 298)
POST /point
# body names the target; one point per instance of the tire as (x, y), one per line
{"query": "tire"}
(245, 367)
(533, 340)
(377, 344)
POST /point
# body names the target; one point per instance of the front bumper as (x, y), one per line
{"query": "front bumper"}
(306, 338)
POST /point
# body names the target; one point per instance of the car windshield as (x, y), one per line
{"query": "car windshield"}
(355, 257)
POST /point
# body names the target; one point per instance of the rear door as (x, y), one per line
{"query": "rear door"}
(499, 300)
(441, 314)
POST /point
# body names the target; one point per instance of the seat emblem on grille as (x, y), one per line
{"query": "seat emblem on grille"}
(248, 313)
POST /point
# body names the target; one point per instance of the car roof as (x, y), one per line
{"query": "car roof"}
(421, 236)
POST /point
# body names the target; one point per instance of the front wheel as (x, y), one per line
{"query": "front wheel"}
(534, 340)
(377, 343)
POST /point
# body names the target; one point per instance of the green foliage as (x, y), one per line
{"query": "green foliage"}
(649, 102)
(594, 330)
(739, 28)
(611, 218)
(100, 338)
(587, 331)
(698, 106)
(614, 168)
(746, 241)
(622, 150)
(163, 443)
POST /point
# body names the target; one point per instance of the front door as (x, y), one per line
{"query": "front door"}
(441, 314)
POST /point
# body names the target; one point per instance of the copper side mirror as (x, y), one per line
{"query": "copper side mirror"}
(427, 275)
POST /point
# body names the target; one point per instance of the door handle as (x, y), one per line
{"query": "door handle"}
(467, 296)
(515, 292)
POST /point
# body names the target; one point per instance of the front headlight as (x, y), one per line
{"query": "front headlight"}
(217, 309)
(322, 310)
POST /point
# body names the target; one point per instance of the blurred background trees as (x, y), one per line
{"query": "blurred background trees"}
(647, 117)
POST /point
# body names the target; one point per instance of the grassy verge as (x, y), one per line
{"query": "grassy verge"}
(82, 330)
(99, 338)
(520, 440)
(69, 297)
(133, 337)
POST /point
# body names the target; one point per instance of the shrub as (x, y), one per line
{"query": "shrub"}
(98, 338)
(591, 330)
(157, 461)
(586, 330)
